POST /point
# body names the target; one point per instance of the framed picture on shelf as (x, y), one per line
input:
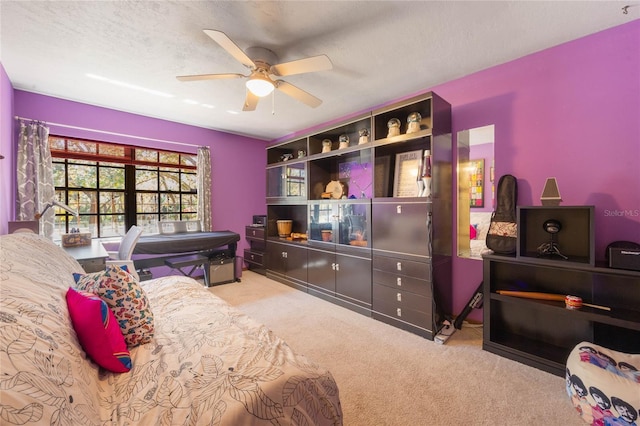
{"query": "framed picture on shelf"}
(476, 184)
(406, 173)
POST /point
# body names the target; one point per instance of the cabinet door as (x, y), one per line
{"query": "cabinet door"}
(296, 262)
(287, 181)
(322, 220)
(321, 271)
(402, 227)
(353, 278)
(274, 257)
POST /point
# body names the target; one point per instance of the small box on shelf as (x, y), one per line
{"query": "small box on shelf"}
(556, 233)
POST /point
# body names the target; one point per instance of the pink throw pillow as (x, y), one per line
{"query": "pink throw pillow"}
(98, 331)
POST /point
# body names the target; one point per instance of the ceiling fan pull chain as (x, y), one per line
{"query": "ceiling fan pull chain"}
(273, 103)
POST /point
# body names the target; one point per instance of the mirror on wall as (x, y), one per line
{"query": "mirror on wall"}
(476, 183)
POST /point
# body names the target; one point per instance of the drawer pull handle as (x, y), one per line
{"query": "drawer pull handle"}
(399, 281)
(399, 266)
(399, 312)
(399, 297)
(399, 209)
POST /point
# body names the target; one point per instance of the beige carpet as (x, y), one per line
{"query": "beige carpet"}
(387, 376)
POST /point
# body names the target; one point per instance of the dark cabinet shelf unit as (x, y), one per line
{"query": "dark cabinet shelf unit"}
(574, 241)
(254, 255)
(363, 212)
(542, 333)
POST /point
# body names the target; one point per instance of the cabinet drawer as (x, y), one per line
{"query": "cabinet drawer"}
(407, 268)
(253, 257)
(401, 282)
(257, 245)
(403, 305)
(254, 232)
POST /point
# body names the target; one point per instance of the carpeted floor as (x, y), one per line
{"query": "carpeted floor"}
(388, 376)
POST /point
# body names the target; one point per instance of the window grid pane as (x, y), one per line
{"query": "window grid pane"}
(146, 180)
(112, 225)
(98, 189)
(111, 177)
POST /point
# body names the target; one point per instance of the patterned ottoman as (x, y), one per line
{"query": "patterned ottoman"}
(604, 385)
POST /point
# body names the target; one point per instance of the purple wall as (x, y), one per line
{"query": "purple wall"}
(570, 112)
(237, 195)
(7, 167)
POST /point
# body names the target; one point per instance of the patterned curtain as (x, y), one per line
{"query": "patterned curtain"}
(34, 175)
(204, 188)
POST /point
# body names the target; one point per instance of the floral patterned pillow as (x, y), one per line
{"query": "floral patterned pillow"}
(127, 301)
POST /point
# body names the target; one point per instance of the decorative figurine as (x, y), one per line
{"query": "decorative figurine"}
(364, 136)
(394, 127)
(301, 154)
(413, 122)
(286, 157)
(425, 175)
(326, 145)
(344, 141)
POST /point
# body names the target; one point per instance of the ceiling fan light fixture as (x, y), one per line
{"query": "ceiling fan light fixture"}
(260, 85)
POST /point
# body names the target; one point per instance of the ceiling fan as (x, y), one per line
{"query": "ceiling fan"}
(264, 68)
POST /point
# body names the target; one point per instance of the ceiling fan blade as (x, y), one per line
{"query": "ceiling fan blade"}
(311, 64)
(297, 93)
(250, 102)
(207, 77)
(227, 44)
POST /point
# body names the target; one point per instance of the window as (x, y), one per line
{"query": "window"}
(115, 186)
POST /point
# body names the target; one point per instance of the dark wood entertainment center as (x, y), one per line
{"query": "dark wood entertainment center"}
(372, 242)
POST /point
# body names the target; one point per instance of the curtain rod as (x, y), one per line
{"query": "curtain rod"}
(108, 133)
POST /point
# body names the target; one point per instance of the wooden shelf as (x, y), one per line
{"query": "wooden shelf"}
(545, 356)
(403, 138)
(541, 333)
(616, 317)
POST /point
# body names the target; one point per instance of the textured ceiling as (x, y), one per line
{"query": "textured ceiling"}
(381, 51)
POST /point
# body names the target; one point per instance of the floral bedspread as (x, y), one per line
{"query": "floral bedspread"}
(208, 364)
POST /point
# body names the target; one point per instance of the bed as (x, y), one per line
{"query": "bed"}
(205, 362)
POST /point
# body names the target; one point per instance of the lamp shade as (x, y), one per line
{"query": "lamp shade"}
(260, 85)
